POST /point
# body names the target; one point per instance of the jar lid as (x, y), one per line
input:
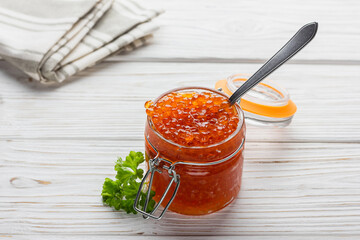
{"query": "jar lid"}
(266, 103)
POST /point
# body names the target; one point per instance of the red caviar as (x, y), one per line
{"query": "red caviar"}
(196, 125)
(192, 118)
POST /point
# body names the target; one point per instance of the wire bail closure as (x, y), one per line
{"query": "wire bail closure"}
(154, 166)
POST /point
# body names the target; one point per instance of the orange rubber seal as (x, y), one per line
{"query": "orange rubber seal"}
(285, 111)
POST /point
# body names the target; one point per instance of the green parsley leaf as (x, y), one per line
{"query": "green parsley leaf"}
(121, 193)
(112, 193)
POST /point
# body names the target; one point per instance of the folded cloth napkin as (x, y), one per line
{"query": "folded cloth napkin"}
(51, 40)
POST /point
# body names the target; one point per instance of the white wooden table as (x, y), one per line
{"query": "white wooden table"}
(58, 144)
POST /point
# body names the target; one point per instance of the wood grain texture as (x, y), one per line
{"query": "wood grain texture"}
(238, 31)
(106, 102)
(53, 187)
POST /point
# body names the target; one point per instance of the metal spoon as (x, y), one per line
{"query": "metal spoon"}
(293, 46)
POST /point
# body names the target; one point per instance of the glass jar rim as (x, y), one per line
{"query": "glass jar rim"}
(231, 136)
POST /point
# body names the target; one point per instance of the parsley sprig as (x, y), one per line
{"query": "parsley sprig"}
(121, 193)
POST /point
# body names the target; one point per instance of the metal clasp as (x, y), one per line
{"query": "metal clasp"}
(154, 166)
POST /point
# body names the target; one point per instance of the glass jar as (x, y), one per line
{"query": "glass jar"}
(210, 175)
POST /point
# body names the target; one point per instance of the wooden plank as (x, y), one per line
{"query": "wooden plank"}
(289, 189)
(106, 101)
(111, 237)
(238, 31)
(251, 31)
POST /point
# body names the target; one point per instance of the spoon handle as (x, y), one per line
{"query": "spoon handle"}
(294, 45)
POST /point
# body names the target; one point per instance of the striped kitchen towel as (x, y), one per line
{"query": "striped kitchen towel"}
(51, 40)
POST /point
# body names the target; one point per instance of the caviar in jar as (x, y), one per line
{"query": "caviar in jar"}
(196, 125)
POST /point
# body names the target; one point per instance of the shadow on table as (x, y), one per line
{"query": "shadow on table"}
(176, 224)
